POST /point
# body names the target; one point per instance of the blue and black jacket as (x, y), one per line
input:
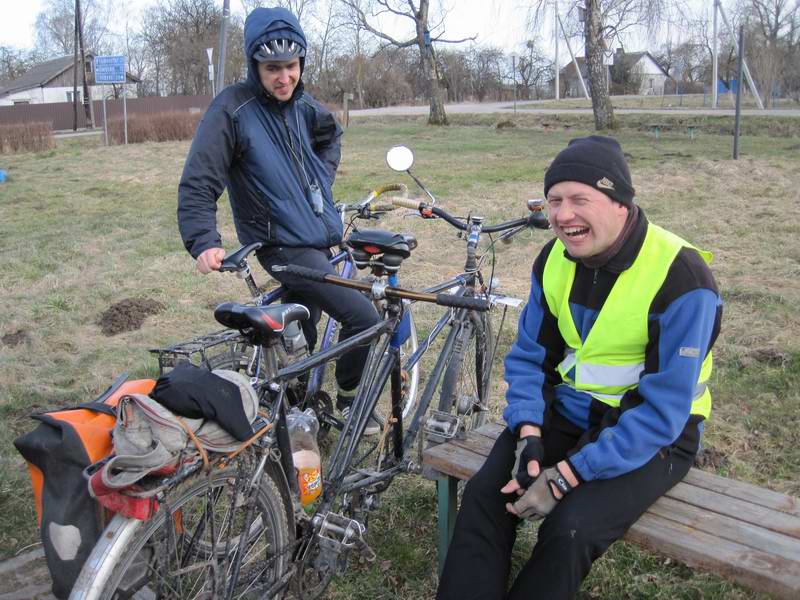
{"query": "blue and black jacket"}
(260, 149)
(652, 416)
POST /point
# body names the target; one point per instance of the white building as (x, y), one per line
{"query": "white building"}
(639, 67)
(52, 81)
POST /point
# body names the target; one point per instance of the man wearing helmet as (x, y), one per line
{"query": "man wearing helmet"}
(276, 149)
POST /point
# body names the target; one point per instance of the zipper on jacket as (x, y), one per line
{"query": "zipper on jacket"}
(594, 276)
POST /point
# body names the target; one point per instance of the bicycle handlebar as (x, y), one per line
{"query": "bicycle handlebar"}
(536, 220)
(389, 291)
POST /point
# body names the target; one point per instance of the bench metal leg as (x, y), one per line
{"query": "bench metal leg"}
(447, 497)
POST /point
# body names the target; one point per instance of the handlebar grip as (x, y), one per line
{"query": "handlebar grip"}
(407, 203)
(463, 302)
(539, 220)
(303, 272)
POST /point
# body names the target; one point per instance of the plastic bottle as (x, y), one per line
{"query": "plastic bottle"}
(303, 428)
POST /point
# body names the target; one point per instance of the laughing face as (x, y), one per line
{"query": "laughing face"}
(586, 220)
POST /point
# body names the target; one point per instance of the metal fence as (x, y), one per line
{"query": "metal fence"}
(60, 114)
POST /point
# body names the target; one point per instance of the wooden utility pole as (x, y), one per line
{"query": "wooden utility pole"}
(75, 75)
(87, 98)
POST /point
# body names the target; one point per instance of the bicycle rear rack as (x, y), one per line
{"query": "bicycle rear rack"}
(198, 350)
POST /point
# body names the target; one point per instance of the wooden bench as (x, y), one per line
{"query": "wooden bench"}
(740, 531)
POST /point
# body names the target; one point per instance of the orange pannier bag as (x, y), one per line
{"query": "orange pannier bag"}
(64, 443)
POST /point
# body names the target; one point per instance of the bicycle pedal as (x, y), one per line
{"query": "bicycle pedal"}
(441, 427)
(339, 535)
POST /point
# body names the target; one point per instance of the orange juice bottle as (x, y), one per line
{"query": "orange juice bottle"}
(303, 428)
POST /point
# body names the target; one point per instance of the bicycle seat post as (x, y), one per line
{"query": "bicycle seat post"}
(247, 274)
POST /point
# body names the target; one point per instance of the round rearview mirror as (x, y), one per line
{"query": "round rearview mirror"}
(399, 158)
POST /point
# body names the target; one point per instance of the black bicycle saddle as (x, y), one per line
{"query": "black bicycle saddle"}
(259, 323)
(378, 241)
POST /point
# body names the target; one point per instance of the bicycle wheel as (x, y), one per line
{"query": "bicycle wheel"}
(189, 548)
(465, 385)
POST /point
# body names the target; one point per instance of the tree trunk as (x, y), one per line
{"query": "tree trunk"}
(597, 71)
(435, 94)
(437, 115)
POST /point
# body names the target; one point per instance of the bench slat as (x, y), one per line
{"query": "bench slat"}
(744, 491)
(738, 509)
(451, 460)
(758, 570)
(726, 527)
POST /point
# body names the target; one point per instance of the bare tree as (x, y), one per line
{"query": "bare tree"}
(423, 38)
(13, 62)
(533, 67)
(55, 26)
(302, 9)
(774, 29)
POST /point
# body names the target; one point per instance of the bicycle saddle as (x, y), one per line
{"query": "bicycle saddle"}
(259, 323)
(378, 241)
(235, 260)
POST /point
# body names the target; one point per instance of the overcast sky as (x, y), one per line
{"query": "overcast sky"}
(496, 22)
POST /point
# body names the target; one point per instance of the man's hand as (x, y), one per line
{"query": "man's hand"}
(210, 260)
(542, 497)
(530, 453)
(529, 456)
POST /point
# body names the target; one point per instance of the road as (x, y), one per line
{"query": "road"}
(506, 107)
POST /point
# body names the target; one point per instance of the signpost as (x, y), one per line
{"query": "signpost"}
(111, 69)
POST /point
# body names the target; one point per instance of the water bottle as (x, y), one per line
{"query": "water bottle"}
(303, 428)
(293, 340)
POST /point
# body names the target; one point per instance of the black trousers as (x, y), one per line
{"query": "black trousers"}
(580, 528)
(351, 308)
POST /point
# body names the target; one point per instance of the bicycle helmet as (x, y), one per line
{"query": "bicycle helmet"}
(278, 51)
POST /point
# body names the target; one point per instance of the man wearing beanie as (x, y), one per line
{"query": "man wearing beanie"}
(607, 387)
(277, 150)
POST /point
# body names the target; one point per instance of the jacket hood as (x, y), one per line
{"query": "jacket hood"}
(264, 24)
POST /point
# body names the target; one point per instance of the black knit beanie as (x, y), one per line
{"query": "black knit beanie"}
(597, 161)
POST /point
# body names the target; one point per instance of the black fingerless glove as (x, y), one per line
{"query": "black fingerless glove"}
(528, 448)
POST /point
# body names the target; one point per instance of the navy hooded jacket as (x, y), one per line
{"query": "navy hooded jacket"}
(245, 142)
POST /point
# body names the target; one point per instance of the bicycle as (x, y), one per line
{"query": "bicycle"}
(231, 526)
(469, 350)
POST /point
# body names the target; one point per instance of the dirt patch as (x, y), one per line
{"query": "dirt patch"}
(710, 459)
(16, 338)
(128, 315)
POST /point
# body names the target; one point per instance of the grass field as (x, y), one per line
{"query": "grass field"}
(83, 227)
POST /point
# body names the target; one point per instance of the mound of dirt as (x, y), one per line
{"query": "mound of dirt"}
(506, 124)
(16, 338)
(128, 315)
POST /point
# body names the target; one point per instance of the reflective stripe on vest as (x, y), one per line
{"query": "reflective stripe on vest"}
(611, 359)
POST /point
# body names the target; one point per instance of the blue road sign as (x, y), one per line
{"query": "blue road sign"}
(109, 69)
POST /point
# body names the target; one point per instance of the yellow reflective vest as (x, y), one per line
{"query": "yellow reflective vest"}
(611, 359)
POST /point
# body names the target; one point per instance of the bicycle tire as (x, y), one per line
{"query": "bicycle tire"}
(465, 385)
(410, 377)
(145, 554)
